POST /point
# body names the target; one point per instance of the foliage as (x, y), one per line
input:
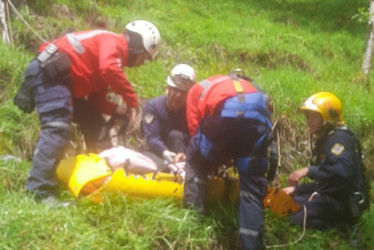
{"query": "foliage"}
(363, 15)
(292, 48)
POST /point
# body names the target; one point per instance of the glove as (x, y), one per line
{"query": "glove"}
(23, 100)
(169, 156)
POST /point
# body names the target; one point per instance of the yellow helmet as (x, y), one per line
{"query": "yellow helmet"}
(328, 105)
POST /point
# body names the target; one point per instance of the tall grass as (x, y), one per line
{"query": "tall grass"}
(292, 48)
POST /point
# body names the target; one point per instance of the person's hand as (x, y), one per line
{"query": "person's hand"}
(180, 157)
(294, 177)
(169, 156)
(289, 190)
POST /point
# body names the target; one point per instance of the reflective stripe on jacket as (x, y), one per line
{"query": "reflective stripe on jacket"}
(98, 58)
(203, 97)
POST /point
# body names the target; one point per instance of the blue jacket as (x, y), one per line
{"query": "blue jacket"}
(158, 122)
(337, 167)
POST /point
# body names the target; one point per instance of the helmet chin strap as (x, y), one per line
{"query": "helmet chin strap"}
(332, 124)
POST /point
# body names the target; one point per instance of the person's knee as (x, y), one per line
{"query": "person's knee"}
(55, 135)
(176, 137)
(297, 218)
(176, 134)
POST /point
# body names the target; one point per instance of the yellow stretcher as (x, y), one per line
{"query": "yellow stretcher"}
(88, 175)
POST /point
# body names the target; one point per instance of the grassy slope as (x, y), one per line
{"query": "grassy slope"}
(292, 48)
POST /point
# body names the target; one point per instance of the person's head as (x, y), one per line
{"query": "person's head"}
(180, 80)
(144, 41)
(323, 110)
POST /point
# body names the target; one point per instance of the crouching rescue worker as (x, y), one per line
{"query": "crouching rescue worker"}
(164, 119)
(233, 121)
(69, 79)
(339, 192)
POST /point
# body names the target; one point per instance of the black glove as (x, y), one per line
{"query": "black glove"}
(24, 100)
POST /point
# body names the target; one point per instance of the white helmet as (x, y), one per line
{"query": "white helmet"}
(150, 35)
(181, 77)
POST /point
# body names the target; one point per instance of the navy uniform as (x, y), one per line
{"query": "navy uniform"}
(339, 192)
(339, 184)
(163, 130)
(234, 123)
(164, 119)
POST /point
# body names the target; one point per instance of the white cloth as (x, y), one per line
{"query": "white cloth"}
(169, 156)
(133, 161)
(178, 169)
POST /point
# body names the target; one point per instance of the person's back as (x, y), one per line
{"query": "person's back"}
(97, 57)
(233, 123)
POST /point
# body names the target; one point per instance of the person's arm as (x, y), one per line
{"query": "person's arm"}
(305, 188)
(151, 127)
(192, 109)
(297, 175)
(336, 172)
(99, 101)
(111, 71)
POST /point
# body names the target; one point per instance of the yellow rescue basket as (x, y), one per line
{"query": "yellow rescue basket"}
(88, 174)
(83, 173)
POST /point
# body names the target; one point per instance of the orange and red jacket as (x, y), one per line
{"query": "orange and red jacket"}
(205, 96)
(97, 61)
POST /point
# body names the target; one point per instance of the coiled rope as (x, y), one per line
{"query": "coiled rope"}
(299, 239)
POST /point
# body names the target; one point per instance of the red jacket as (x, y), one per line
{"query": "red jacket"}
(97, 61)
(205, 96)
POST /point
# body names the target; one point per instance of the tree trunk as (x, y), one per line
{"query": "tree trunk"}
(3, 23)
(366, 65)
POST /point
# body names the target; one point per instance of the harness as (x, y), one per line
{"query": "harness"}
(52, 62)
(360, 198)
(250, 106)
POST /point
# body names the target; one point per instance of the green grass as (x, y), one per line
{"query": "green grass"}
(292, 48)
(133, 223)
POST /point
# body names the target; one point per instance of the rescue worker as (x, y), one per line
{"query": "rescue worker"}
(164, 119)
(70, 78)
(339, 192)
(233, 121)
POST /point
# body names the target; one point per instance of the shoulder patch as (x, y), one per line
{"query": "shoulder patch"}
(337, 149)
(148, 118)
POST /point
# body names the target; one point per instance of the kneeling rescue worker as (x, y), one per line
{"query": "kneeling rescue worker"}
(339, 192)
(164, 120)
(233, 121)
(69, 80)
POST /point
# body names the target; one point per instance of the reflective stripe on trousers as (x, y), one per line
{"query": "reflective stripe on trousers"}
(54, 106)
(251, 211)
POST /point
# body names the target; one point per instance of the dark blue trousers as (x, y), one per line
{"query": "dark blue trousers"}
(55, 108)
(322, 212)
(218, 140)
(53, 102)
